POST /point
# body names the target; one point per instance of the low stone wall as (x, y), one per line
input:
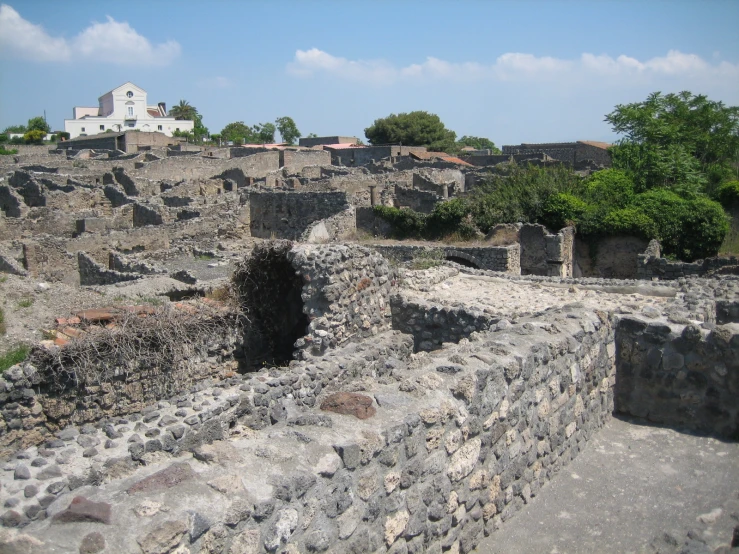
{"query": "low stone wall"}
(432, 326)
(92, 273)
(679, 375)
(332, 229)
(493, 258)
(650, 267)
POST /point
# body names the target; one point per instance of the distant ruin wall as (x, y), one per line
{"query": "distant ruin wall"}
(679, 376)
(287, 215)
(296, 160)
(650, 267)
(493, 258)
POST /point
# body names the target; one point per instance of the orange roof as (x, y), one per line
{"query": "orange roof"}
(427, 155)
(597, 144)
(454, 160)
(153, 113)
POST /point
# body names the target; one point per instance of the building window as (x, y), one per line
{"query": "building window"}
(177, 129)
(159, 127)
(129, 94)
(82, 129)
(130, 111)
(102, 127)
(131, 124)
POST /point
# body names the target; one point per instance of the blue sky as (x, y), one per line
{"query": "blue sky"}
(514, 72)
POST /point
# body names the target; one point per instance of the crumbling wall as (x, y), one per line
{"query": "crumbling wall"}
(287, 215)
(421, 201)
(651, 267)
(609, 257)
(92, 273)
(493, 258)
(432, 326)
(679, 375)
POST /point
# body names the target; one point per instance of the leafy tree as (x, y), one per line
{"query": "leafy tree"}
(311, 135)
(287, 129)
(184, 111)
(478, 143)
(417, 128)
(676, 140)
(38, 124)
(15, 129)
(35, 136)
(236, 131)
(199, 130)
(263, 133)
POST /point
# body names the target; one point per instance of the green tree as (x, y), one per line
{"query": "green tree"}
(681, 141)
(264, 133)
(236, 131)
(287, 129)
(184, 111)
(15, 129)
(199, 131)
(417, 128)
(38, 124)
(478, 143)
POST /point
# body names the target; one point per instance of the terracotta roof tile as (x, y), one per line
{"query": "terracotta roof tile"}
(597, 144)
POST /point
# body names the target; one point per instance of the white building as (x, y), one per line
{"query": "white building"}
(124, 109)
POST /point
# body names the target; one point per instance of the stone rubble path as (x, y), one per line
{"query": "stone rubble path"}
(634, 489)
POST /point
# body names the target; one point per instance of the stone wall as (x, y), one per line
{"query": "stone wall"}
(609, 257)
(296, 160)
(493, 258)
(651, 267)
(421, 201)
(681, 376)
(287, 215)
(432, 326)
(92, 273)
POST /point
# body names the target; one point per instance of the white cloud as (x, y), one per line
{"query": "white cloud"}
(21, 38)
(111, 42)
(511, 66)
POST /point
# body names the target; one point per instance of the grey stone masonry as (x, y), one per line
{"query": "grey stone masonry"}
(493, 258)
(679, 375)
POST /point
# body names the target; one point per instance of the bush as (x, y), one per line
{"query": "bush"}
(609, 188)
(7, 152)
(62, 135)
(728, 194)
(564, 209)
(34, 137)
(448, 218)
(629, 221)
(689, 229)
(4, 138)
(406, 223)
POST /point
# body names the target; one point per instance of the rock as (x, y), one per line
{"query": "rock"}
(56, 488)
(464, 460)
(83, 510)
(21, 472)
(87, 441)
(227, 484)
(285, 523)
(328, 464)
(49, 472)
(239, 510)
(199, 524)
(30, 491)
(11, 518)
(395, 525)
(68, 434)
(246, 542)
(166, 478)
(147, 508)
(349, 403)
(92, 543)
(163, 538)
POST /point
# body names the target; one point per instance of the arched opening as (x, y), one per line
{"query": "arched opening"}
(270, 294)
(461, 261)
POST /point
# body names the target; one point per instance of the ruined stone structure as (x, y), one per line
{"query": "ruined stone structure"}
(333, 400)
(574, 154)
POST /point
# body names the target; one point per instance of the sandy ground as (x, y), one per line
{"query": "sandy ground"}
(634, 489)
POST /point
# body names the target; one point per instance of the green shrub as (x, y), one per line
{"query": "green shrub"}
(7, 152)
(728, 194)
(689, 229)
(34, 137)
(610, 188)
(448, 218)
(14, 356)
(406, 223)
(4, 138)
(629, 221)
(564, 209)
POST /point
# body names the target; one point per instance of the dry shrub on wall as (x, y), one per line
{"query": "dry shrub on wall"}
(167, 344)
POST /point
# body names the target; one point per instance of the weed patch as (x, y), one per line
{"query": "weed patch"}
(14, 356)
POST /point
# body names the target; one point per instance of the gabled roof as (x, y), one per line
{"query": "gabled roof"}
(127, 86)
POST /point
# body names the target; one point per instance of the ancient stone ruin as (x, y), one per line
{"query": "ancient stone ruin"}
(233, 366)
